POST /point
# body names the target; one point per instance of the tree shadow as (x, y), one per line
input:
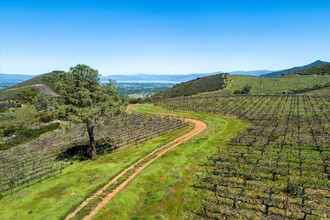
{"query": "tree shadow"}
(83, 152)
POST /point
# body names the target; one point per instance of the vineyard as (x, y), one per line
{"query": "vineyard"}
(277, 168)
(32, 162)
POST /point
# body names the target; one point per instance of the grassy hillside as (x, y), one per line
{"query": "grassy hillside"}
(192, 87)
(265, 85)
(295, 69)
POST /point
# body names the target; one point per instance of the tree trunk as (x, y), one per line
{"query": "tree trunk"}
(90, 130)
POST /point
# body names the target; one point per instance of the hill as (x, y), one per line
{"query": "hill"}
(316, 70)
(47, 79)
(199, 85)
(25, 91)
(295, 69)
(273, 85)
(311, 80)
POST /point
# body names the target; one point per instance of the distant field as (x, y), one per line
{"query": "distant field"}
(141, 90)
(262, 85)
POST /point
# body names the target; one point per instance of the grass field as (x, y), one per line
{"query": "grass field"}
(54, 197)
(269, 85)
(164, 189)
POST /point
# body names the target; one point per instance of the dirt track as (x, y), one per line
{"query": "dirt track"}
(199, 126)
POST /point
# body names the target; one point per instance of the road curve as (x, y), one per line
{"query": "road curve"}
(199, 126)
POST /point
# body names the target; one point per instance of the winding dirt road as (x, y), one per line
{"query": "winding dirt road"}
(199, 126)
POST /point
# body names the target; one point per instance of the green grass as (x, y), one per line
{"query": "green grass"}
(56, 196)
(164, 189)
(270, 85)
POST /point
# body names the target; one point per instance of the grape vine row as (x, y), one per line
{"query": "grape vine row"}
(36, 160)
(278, 168)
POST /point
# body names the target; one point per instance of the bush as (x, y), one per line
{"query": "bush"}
(10, 130)
(27, 95)
(6, 105)
(246, 89)
(45, 117)
(44, 102)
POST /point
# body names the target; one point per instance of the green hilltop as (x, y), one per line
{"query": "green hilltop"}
(316, 70)
(26, 90)
(47, 79)
(314, 80)
(199, 85)
(295, 69)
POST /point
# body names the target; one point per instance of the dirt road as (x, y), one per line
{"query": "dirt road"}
(199, 126)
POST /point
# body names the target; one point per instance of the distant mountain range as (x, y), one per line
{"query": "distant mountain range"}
(177, 78)
(7, 80)
(295, 69)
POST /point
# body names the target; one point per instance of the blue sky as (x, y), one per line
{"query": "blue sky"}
(162, 37)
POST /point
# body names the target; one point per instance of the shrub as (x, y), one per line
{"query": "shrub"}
(27, 95)
(246, 89)
(45, 117)
(10, 130)
(44, 102)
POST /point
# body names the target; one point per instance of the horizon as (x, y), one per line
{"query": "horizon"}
(156, 74)
(162, 37)
(215, 72)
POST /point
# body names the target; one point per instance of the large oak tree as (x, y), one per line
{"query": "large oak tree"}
(87, 100)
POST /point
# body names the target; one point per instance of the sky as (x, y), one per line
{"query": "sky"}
(162, 37)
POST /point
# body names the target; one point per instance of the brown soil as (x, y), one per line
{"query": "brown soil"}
(199, 126)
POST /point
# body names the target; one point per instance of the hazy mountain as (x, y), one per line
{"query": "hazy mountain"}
(295, 69)
(178, 77)
(157, 78)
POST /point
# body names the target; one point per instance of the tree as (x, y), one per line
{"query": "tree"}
(86, 100)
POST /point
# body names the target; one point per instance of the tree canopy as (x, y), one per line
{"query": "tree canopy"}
(87, 100)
